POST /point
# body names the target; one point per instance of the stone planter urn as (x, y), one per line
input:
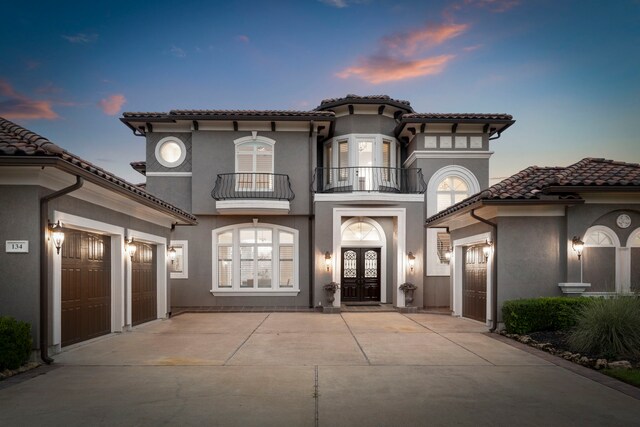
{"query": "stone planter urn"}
(330, 290)
(408, 289)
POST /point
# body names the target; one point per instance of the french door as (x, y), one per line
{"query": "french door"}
(360, 274)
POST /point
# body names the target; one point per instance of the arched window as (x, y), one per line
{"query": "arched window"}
(254, 164)
(361, 231)
(448, 186)
(451, 190)
(599, 259)
(255, 258)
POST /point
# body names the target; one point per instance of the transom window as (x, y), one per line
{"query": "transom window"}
(599, 238)
(451, 190)
(254, 166)
(259, 257)
(361, 231)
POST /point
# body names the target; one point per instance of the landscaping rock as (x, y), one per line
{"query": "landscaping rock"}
(620, 364)
(525, 339)
(601, 364)
(585, 361)
(566, 355)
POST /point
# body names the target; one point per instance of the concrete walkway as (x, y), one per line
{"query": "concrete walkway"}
(309, 369)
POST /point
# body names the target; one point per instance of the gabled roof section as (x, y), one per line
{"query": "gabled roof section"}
(553, 185)
(21, 146)
(368, 99)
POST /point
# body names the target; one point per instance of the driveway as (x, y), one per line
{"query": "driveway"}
(308, 369)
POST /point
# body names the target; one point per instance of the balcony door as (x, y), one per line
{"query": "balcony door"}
(364, 170)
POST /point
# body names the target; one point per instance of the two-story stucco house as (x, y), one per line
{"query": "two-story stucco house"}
(289, 201)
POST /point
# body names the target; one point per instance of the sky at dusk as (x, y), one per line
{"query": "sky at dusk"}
(568, 71)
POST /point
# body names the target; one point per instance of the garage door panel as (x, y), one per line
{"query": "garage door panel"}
(474, 285)
(86, 287)
(143, 284)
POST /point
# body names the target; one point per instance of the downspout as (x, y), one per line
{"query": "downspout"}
(494, 271)
(312, 246)
(44, 267)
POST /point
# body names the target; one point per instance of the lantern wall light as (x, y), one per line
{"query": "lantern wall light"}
(172, 254)
(447, 255)
(578, 246)
(412, 261)
(56, 235)
(486, 249)
(327, 260)
(131, 248)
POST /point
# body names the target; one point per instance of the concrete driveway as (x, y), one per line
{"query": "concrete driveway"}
(308, 369)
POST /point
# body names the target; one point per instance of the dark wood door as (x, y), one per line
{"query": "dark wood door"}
(360, 274)
(143, 284)
(86, 286)
(474, 284)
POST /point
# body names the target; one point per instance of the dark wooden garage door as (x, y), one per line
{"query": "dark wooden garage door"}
(86, 286)
(143, 284)
(474, 284)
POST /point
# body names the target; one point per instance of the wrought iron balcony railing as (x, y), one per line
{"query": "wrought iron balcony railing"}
(369, 179)
(271, 186)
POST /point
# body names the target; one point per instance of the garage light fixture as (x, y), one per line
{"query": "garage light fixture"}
(447, 255)
(56, 235)
(131, 248)
(327, 260)
(486, 249)
(172, 254)
(412, 260)
(578, 245)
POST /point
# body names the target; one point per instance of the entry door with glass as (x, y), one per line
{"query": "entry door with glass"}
(360, 274)
(365, 169)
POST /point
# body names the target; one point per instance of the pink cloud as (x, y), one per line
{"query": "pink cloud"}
(18, 106)
(243, 38)
(383, 69)
(433, 35)
(112, 104)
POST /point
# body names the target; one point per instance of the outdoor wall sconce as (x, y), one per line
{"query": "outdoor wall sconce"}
(131, 248)
(412, 260)
(327, 260)
(172, 254)
(486, 249)
(578, 245)
(57, 235)
(447, 255)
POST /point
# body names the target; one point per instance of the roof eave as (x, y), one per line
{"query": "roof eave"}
(334, 104)
(78, 171)
(405, 121)
(591, 188)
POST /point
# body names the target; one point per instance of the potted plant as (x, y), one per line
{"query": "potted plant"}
(408, 289)
(330, 289)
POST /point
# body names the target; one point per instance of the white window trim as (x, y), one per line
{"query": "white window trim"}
(254, 139)
(235, 290)
(185, 259)
(434, 266)
(183, 152)
(635, 235)
(353, 139)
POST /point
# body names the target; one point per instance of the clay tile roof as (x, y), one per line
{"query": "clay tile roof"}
(367, 99)
(458, 116)
(228, 114)
(531, 183)
(16, 141)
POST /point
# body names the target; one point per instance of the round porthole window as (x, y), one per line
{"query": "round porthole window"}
(170, 152)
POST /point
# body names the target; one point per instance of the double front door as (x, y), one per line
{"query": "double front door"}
(360, 274)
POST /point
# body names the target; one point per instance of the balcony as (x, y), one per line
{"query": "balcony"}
(369, 179)
(252, 193)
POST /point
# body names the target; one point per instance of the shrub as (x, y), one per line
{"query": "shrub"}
(608, 327)
(542, 314)
(15, 343)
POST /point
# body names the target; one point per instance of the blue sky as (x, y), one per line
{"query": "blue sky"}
(568, 71)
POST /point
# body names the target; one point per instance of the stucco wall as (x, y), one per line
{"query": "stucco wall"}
(196, 290)
(414, 243)
(364, 123)
(530, 257)
(214, 153)
(19, 273)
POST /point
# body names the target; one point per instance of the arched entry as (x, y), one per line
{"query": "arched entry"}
(363, 261)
